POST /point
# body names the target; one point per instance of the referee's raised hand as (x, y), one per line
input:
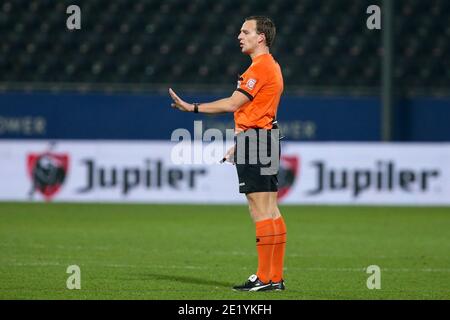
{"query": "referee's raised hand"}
(179, 103)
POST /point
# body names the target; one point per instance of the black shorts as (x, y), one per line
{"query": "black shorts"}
(256, 168)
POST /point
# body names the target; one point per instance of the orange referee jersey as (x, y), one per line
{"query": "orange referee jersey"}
(262, 83)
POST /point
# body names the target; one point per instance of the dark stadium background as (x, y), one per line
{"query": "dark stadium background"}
(129, 52)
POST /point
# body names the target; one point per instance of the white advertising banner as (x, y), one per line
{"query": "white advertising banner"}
(370, 173)
(110, 171)
(311, 173)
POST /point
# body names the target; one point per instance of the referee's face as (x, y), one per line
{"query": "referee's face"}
(248, 38)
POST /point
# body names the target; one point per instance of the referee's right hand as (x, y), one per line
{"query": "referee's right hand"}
(179, 103)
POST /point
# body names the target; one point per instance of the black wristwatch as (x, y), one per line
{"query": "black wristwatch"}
(196, 107)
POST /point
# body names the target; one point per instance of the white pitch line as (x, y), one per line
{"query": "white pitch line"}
(189, 267)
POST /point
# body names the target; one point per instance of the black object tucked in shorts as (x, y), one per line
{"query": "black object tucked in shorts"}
(252, 176)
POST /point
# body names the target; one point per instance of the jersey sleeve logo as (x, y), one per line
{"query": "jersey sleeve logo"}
(251, 83)
(239, 81)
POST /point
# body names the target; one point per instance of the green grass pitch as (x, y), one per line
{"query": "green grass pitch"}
(198, 252)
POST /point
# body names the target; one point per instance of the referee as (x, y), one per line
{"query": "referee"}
(254, 104)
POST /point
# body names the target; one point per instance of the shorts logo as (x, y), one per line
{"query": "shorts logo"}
(242, 184)
(251, 84)
(47, 172)
(289, 167)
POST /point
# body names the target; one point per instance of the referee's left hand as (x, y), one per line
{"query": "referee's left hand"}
(179, 103)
